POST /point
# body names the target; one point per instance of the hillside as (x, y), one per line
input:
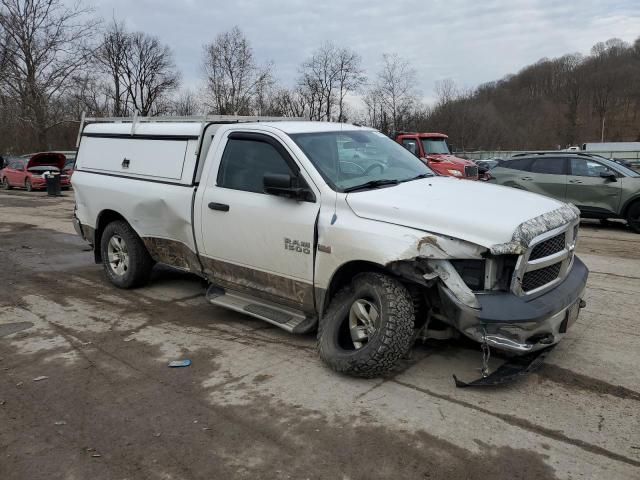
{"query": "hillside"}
(555, 102)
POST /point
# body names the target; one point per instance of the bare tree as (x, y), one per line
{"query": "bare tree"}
(186, 104)
(46, 43)
(395, 85)
(351, 77)
(318, 81)
(232, 75)
(327, 77)
(150, 74)
(112, 58)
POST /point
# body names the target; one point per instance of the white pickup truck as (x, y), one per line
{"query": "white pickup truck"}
(328, 227)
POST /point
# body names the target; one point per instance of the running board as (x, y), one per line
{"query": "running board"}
(289, 319)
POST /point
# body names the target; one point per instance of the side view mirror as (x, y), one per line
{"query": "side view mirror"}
(285, 185)
(609, 175)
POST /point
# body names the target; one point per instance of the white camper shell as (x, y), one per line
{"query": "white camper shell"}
(329, 227)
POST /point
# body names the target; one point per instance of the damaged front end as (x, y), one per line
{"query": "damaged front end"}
(519, 297)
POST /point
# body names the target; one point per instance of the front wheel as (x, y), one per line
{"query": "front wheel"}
(28, 186)
(368, 326)
(633, 217)
(125, 259)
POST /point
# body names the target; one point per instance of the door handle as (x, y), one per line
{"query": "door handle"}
(526, 178)
(222, 207)
(575, 181)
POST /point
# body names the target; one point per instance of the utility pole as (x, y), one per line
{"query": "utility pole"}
(602, 132)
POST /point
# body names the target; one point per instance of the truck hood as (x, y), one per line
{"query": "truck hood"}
(484, 214)
(449, 160)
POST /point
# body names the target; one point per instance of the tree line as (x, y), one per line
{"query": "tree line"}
(57, 61)
(552, 103)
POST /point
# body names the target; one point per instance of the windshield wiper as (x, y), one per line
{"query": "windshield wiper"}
(417, 177)
(371, 184)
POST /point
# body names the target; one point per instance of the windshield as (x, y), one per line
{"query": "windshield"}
(619, 167)
(349, 159)
(435, 145)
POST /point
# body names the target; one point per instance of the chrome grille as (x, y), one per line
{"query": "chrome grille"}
(548, 247)
(538, 278)
(546, 262)
(471, 171)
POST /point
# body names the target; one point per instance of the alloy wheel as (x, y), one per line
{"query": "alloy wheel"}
(118, 255)
(364, 319)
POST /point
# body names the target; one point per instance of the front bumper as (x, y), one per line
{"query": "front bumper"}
(519, 324)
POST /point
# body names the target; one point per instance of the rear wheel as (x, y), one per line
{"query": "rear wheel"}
(125, 259)
(28, 186)
(5, 184)
(633, 217)
(368, 326)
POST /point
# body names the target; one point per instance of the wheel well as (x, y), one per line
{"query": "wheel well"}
(628, 205)
(343, 276)
(104, 219)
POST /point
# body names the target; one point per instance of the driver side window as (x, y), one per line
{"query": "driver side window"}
(244, 164)
(586, 168)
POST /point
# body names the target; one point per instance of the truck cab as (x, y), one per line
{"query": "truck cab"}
(433, 149)
(287, 225)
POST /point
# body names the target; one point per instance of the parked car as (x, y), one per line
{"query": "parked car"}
(370, 259)
(433, 150)
(599, 187)
(28, 171)
(69, 165)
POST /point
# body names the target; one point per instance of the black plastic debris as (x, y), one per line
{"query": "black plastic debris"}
(510, 371)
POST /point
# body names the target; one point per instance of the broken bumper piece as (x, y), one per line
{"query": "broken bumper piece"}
(510, 371)
(518, 324)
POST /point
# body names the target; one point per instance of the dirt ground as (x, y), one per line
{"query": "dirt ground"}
(86, 393)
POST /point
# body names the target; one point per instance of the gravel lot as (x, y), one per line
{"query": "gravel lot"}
(257, 402)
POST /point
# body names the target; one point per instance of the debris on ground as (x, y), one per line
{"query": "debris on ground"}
(60, 422)
(180, 363)
(42, 377)
(9, 328)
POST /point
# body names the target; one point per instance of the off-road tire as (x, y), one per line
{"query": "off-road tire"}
(633, 216)
(5, 184)
(140, 262)
(393, 338)
(28, 186)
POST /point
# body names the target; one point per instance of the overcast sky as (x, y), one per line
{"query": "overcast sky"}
(471, 41)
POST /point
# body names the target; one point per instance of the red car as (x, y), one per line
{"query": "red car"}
(432, 149)
(28, 171)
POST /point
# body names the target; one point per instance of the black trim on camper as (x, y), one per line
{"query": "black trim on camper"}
(127, 136)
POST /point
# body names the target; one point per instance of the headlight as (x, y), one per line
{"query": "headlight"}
(471, 271)
(455, 173)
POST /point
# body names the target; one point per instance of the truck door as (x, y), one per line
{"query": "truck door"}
(253, 241)
(587, 190)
